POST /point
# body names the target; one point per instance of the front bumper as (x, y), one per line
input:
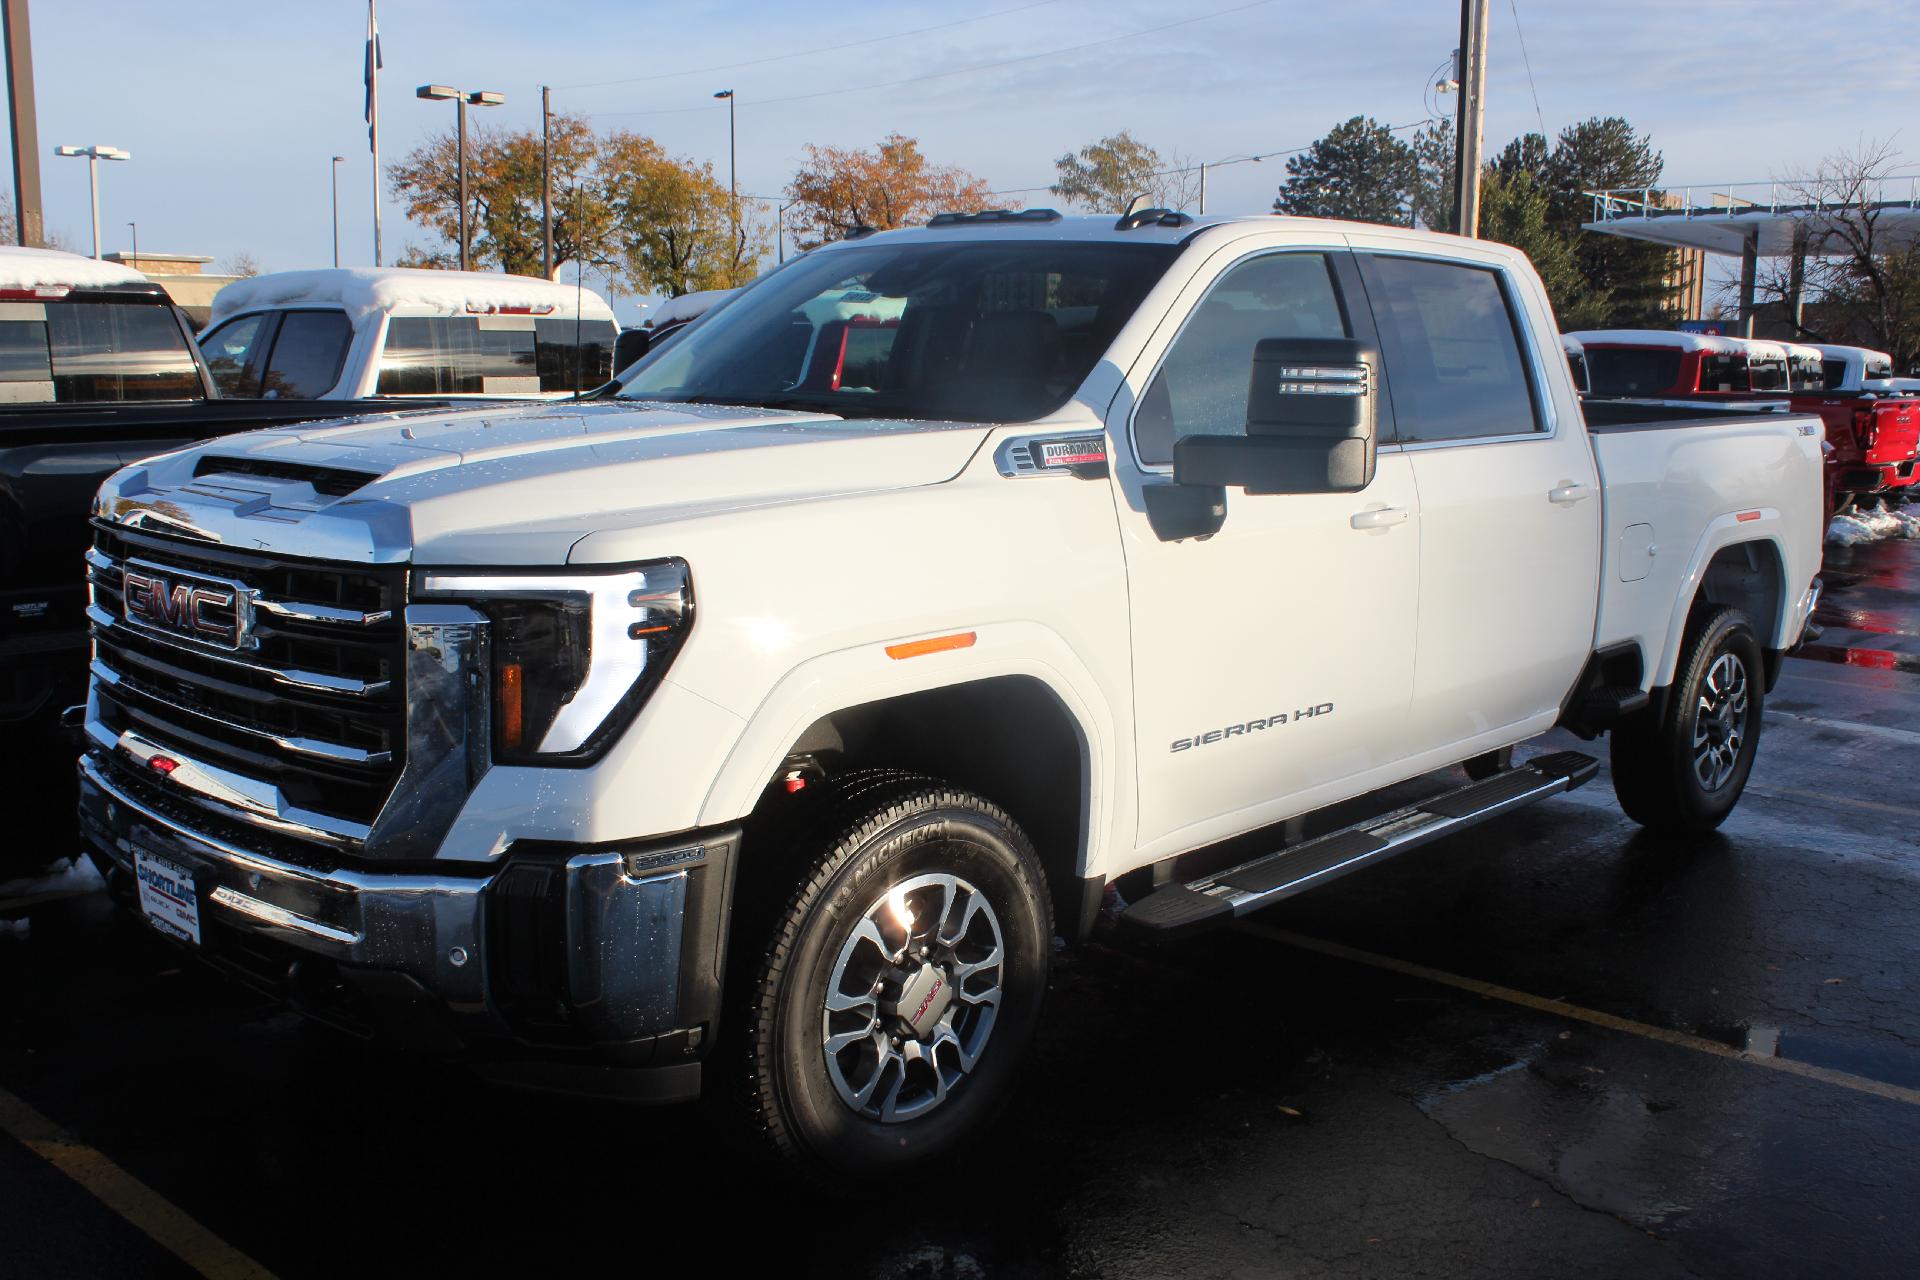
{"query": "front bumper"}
(561, 958)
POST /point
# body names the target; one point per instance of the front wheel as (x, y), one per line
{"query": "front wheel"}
(1685, 771)
(902, 984)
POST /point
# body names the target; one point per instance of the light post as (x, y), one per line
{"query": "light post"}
(733, 182)
(134, 227)
(462, 98)
(337, 162)
(94, 156)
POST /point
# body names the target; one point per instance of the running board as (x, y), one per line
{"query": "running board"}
(1213, 900)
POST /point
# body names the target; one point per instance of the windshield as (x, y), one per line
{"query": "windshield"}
(977, 331)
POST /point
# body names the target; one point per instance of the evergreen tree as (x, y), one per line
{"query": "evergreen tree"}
(1358, 171)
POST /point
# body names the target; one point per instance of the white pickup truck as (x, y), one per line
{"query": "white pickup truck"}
(795, 694)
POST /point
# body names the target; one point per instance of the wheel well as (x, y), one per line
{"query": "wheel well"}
(1009, 739)
(1748, 576)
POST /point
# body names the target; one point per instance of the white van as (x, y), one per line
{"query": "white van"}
(350, 332)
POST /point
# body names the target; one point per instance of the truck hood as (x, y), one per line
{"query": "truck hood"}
(517, 484)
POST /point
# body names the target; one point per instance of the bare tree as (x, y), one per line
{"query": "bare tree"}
(241, 264)
(1858, 279)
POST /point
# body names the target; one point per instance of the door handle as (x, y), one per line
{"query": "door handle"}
(1383, 518)
(1568, 494)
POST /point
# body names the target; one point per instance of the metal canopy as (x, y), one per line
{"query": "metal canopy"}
(1729, 219)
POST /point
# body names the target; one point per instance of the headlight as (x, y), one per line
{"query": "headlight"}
(574, 654)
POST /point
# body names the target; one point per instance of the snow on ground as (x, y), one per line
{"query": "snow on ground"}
(1874, 524)
(78, 876)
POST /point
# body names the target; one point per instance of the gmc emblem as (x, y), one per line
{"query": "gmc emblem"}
(210, 610)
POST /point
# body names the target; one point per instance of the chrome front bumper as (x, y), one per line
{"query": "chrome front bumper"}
(426, 926)
(617, 950)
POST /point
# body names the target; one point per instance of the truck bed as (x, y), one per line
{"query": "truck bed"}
(1677, 479)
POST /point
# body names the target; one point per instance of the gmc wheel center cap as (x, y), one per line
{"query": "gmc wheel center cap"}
(924, 999)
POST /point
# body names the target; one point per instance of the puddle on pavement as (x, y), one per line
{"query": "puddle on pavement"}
(1857, 656)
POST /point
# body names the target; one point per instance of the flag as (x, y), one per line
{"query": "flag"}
(372, 77)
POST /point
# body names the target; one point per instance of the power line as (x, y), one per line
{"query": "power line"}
(1527, 62)
(957, 71)
(1219, 164)
(808, 53)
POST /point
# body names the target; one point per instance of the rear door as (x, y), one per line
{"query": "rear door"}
(1273, 659)
(1510, 510)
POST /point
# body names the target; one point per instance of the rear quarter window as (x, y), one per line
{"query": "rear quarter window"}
(493, 355)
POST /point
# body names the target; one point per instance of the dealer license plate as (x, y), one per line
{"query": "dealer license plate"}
(167, 896)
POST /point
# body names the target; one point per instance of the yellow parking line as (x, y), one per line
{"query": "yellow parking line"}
(127, 1196)
(1560, 1008)
(1828, 797)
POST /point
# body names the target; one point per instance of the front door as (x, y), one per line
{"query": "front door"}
(1274, 659)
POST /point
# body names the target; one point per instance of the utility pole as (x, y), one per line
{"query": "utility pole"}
(26, 136)
(1203, 188)
(1470, 127)
(546, 181)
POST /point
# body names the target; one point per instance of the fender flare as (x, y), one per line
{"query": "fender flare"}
(864, 674)
(1725, 531)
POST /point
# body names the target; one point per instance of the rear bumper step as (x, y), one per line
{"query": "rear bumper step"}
(1216, 899)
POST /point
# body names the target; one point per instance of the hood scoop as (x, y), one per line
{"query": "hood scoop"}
(328, 482)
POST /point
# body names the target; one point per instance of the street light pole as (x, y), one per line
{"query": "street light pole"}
(94, 155)
(462, 98)
(336, 209)
(134, 227)
(733, 182)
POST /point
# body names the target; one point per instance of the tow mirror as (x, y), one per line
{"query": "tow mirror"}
(1310, 423)
(628, 346)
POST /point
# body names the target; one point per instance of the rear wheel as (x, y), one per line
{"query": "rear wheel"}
(1685, 770)
(902, 984)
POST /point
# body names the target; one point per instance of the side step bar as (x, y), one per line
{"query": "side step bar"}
(1180, 909)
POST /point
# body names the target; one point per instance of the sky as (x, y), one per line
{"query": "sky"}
(232, 112)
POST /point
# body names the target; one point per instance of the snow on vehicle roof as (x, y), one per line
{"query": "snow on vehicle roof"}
(22, 268)
(1836, 352)
(689, 306)
(1570, 344)
(1801, 351)
(1761, 349)
(371, 291)
(1664, 338)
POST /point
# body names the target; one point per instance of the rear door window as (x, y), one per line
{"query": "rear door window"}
(1768, 375)
(307, 355)
(232, 353)
(1450, 342)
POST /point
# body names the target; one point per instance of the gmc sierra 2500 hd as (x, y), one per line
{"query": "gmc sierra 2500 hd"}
(793, 694)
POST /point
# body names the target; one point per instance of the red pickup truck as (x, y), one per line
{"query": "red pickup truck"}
(1875, 436)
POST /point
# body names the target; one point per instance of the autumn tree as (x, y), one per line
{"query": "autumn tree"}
(1358, 171)
(671, 220)
(889, 185)
(503, 195)
(1105, 176)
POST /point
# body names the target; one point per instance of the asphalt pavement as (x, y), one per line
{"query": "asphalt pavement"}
(1550, 1046)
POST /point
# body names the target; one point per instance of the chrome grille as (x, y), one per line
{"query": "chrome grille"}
(311, 706)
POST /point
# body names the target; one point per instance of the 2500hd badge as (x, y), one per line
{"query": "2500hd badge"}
(1274, 721)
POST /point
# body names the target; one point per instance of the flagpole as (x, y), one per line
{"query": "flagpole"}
(373, 120)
